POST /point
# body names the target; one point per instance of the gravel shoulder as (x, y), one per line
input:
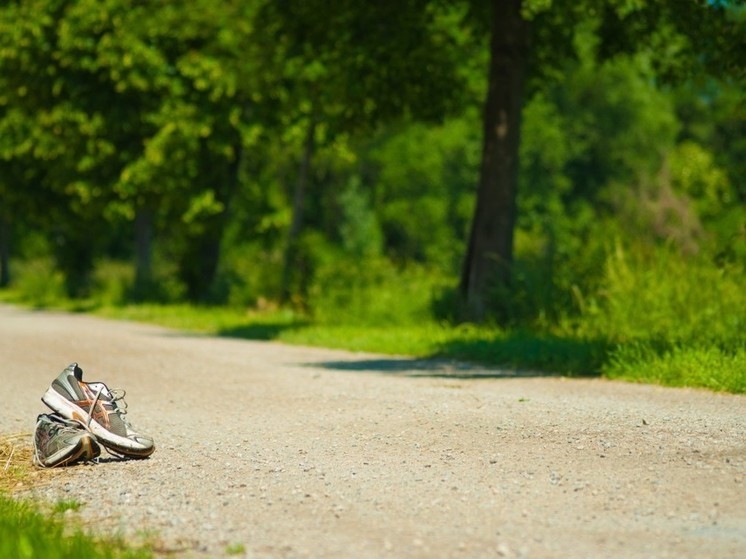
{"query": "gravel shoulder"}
(270, 451)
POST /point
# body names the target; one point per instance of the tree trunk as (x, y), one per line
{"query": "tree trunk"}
(490, 251)
(299, 207)
(143, 251)
(200, 263)
(4, 251)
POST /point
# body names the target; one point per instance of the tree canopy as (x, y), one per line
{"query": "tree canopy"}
(247, 151)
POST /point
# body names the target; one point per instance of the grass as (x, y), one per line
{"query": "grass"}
(27, 531)
(487, 345)
(654, 317)
(681, 365)
(693, 361)
(16, 469)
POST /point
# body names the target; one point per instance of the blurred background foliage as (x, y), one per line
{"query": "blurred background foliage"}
(266, 155)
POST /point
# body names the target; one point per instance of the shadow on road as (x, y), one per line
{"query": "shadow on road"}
(258, 331)
(432, 368)
(482, 355)
(517, 355)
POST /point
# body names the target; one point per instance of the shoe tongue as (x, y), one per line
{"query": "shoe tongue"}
(78, 372)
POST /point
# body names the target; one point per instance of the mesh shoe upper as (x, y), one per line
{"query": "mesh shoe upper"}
(58, 442)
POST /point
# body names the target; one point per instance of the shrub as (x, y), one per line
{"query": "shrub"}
(660, 295)
(38, 282)
(112, 282)
(372, 292)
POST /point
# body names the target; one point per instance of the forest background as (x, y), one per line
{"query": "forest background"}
(311, 172)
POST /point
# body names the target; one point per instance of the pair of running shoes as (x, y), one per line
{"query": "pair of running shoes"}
(86, 416)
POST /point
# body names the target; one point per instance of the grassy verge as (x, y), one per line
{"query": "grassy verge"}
(26, 531)
(486, 345)
(687, 359)
(695, 363)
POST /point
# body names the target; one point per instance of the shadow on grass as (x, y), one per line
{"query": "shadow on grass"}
(551, 354)
(429, 367)
(260, 331)
(501, 356)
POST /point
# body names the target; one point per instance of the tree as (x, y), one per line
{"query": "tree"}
(490, 247)
(130, 112)
(348, 67)
(528, 37)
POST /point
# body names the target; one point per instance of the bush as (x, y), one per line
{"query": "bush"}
(661, 295)
(250, 274)
(112, 282)
(373, 293)
(670, 319)
(38, 282)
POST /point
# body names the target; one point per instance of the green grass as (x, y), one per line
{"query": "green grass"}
(235, 549)
(654, 317)
(708, 366)
(487, 345)
(27, 532)
(62, 507)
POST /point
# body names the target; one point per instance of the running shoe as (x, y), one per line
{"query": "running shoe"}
(60, 442)
(100, 410)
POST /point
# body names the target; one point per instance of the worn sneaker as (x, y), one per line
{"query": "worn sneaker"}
(60, 442)
(100, 410)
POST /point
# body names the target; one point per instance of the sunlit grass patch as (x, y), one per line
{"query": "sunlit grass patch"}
(215, 320)
(25, 532)
(681, 365)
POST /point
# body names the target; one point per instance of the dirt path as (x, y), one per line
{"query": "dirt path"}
(294, 452)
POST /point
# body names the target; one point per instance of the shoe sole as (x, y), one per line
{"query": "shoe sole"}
(117, 443)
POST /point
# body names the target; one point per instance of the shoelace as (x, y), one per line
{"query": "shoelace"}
(120, 408)
(117, 399)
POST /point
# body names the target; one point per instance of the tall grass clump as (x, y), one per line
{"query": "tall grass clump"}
(680, 365)
(674, 319)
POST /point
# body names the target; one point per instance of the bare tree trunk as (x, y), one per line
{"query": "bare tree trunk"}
(200, 262)
(299, 207)
(143, 250)
(490, 251)
(4, 251)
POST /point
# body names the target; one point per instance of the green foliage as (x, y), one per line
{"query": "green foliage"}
(60, 507)
(424, 178)
(39, 283)
(374, 293)
(235, 549)
(359, 230)
(26, 533)
(250, 275)
(112, 282)
(663, 295)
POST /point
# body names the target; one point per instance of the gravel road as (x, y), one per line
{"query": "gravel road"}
(265, 450)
